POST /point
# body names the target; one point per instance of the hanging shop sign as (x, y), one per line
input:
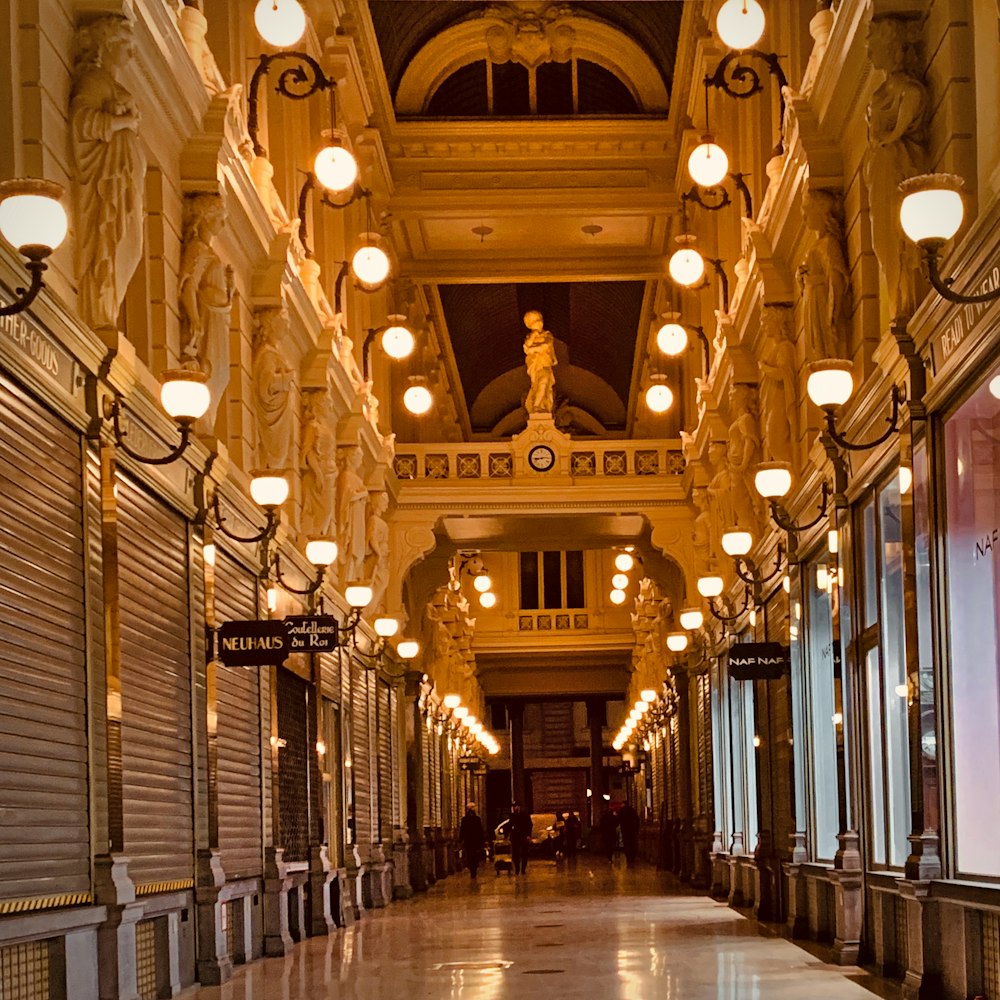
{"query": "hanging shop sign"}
(965, 325)
(469, 763)
(252, 643)
(312, 633)
(758, 661)
(41, 353)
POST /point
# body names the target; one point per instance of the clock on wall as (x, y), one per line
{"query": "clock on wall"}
(541, 458)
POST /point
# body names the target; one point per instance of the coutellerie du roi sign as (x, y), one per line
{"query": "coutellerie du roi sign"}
(267, 643)
(757, 661)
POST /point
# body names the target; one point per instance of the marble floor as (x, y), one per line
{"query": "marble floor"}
(588, 933)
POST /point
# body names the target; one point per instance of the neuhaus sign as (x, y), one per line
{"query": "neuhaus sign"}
(253, 643)
(757, 661)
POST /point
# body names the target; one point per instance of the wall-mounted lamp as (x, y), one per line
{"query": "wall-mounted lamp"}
(691, 619)
(686, 265)
(268, 491)
(659, 396)
(322, 553)
(773, 481)
(711, 587)
(417, 398)
(331, 168)
(715, 197)
(34, 222)
(397, 341)
(931, 213)
(737, 543)
(407, 649)
(830, 385)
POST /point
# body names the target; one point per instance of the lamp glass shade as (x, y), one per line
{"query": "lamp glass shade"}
(617, 596)
(995, 387)
(476, 728)
(370, 265)
(209, 553)
(31, 214)
(708, 164)
(184, 395)
(773, 480)
(418, 399)
(398, 342)
(482, 583)
(677, 642)
(635, 715)
(358, 595)
(407, 649)
(335, 168)
(830, 383)
(469, 721)
(461, 712)
(280, 22)
(619, 581)
(691, 619)
(740, 23)
(736, 542)
(648, 695)
(488, 600)
(624, 562)
(931, 213)
(686, 266)
(672, 339)
(452, 701)
(905, 478)
(642, 705)
(385, 627)
(321, 551)
(659, 397)
(710, 586)
(268, 490)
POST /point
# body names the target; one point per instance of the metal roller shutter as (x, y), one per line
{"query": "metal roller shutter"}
(385, 775)
(361, 755)
(293, 780)
(239, 732)
(397, 764)
(44, 832)
(156, 689)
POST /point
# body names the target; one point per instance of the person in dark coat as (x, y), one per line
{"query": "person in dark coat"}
(518, 830)
(473, 839)
(571, 833)
(628, 818)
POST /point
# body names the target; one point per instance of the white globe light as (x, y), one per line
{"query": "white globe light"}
(321, 551)
(358, 595)
(672, 339)
(710, 586)
(385, 627)
(708, 164)
(648, 695)
(691, 619)
(830, 383)
(418, 399)
(370, 265)
(407, 649)
(460, 713)
(280, 22)
(635, 715)
(619, 581)
(736, 542)
(482, 583)
(624, 560)
(773, 480)
(995, 387)
(659, 397)
(31, 214)
(335, 168)
(740, 23)
(398, 342)
(452, 701)
(268, 490)
(677, 642)
(686, 266)
(932, 207)
(642, 706)
(617, 596)
(184, 394)
(488, 600)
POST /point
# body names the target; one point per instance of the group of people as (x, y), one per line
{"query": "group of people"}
(618, 828)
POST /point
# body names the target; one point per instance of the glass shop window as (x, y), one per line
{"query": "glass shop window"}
(972, 584)
(882, 653)
(552, 580)
(744, 746)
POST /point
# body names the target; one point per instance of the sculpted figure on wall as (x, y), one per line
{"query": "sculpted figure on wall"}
(318, 465)
(438, 616)
(376, 573)
(206, 296)
(778, 384)
(272, 391)
(824, 278)
(109, 170)
(744, 456)
(540, 358)
(352, 503)
(897, 140)
(703, 537)
(720, 492)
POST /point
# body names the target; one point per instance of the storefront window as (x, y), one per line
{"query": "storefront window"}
(742, 728)
(971, 460)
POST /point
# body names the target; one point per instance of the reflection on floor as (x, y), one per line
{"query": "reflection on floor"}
(591, 933)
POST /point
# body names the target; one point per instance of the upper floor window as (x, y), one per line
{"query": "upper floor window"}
(552, 580)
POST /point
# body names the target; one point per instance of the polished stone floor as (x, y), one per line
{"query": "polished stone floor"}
(589, 933)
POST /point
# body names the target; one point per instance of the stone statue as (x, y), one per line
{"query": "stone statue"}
(720, 492)
(438, 615)
(540, 357)
(318, 463)
(897, 140)
(352, 501)
(744, 456)
(376, 573)
(206, 296)
(825, 279)
(778, 384)
(272, 391)
(702, 535)
(109, 170)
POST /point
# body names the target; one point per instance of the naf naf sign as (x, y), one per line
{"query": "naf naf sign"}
(757, 661)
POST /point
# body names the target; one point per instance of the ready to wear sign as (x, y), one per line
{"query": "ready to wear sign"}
(757, 661)
(268, 643)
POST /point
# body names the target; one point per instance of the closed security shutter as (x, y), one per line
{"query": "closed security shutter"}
(293, 782)
(360, 735)
(44, 834)
(385, 775)
(397, 764)
(239, 732)
(156, 689)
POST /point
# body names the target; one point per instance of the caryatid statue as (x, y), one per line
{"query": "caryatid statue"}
(778, 384)
(825, 279)
(109, 170)
(376, 573)
(540, 358)
(352, 503)
(318, 458)
(897, 150)
(273, 379)
(744, 449)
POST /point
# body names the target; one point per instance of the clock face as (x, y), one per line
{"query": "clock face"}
(541, 458)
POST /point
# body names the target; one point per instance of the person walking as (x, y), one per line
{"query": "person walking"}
(571, 832)
(473, 839)
(628, 819)
(519, 832)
